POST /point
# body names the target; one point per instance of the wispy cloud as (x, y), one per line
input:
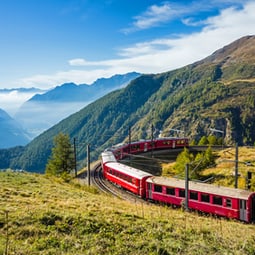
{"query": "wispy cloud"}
(162, 54)
(153, 16)
(156, 15)
(11, 101)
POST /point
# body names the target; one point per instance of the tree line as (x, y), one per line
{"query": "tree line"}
(61, 162)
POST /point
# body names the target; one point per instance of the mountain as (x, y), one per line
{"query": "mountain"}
(11, 133)
(44, 110)
(71, 92)
(216, 92)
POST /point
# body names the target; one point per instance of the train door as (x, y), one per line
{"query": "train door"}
(173, 144)
(242, 210)
(145, 147)
(149, 189)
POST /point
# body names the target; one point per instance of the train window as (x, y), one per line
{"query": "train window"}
(181, 193)
(228, 202)
(170, 191)
(217, 200)
(157, 188)
(135, 147)
(193, 195)
(205, 198)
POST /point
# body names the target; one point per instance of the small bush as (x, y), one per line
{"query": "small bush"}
(49, 219)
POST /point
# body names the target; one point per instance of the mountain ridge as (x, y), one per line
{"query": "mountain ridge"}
(194, 99)
(83, 92)
(45, 110)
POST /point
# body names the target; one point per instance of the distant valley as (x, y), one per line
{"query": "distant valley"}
(45, 109)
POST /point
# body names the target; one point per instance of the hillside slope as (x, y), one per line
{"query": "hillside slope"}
(11, 132)
(217, 92)
(47, 216)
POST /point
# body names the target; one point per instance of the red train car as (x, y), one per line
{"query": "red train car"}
(127, 177)
(122, 150)
(222, 201)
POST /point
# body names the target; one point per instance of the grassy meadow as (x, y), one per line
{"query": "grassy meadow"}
(40, 215)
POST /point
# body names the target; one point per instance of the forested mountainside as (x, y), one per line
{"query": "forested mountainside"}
(217, 92)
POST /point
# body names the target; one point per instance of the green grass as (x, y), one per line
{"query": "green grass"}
(49, 216)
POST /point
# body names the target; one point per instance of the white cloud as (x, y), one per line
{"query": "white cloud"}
(78, 62)
(155, 15)
(161, 54)
(11, 101)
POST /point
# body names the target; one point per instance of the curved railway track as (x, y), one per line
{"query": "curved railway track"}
(99, 182)
(107, 187)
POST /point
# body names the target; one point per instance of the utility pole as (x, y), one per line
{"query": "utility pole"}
(152, 145)
(75, 161)
(88, 163)
(129, 142)
(7, 233)
(187, 187)
(248, 180)
(236, 167)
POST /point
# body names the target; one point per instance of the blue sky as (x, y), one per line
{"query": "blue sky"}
(45, 43)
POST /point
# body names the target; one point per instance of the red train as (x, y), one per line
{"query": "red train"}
(222, 201)
(122, 150)
(228, 202)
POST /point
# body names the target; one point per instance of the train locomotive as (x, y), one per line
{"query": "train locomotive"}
(222, 201)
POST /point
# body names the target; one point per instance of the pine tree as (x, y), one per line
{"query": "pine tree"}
(209, 157)
(212, 140)
(182, 159)
(61, 162)
(203, 141)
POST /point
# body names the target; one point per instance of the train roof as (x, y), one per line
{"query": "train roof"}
(172, 138)
(159, 139)
(121, 145)
(202, 187)
(130, 171)
(108, 156)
